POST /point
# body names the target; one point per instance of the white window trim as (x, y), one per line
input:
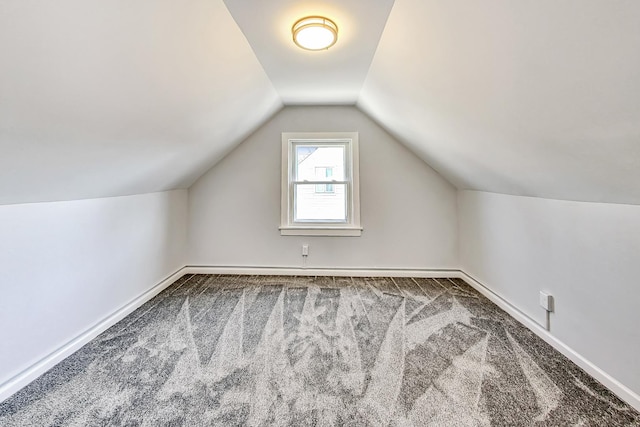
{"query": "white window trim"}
(287, 225)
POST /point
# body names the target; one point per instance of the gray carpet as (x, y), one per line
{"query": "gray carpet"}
(300, 351)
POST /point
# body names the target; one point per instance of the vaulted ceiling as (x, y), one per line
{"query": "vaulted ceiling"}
(113, 97)
(528, 97)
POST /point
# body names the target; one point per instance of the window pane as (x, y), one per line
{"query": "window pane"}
(327, 205)
(319, 163)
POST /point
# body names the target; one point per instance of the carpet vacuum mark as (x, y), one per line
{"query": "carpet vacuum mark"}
(316, 351)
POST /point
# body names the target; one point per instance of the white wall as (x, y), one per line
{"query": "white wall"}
(586, 254)
(408, 211)
(67, 265)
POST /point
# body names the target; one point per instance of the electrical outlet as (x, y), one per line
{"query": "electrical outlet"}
(546, 301)
(305, 250)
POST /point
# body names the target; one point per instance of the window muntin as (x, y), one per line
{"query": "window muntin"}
(320, 184)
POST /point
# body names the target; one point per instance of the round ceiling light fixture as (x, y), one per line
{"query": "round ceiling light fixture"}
(315, 33)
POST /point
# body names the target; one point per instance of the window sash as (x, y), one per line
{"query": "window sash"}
(348, 204)
(320, 182)
(346, 144)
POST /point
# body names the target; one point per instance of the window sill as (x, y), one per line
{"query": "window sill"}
(321, 231)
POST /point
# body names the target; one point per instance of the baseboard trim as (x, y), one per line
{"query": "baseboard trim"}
(14, 384)
(605, 379)
(298, 271)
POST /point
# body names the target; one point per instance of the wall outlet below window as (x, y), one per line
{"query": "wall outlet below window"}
(305, 250)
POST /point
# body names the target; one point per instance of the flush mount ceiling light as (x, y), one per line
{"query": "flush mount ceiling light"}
(315, 33)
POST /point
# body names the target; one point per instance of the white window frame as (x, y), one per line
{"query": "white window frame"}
(288, 225)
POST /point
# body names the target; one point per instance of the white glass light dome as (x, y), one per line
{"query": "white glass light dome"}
(315, 33)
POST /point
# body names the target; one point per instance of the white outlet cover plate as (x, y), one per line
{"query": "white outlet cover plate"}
(546, 301)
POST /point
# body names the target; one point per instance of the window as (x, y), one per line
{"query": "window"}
(320, 194)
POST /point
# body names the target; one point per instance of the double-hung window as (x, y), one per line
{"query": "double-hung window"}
(320, 192)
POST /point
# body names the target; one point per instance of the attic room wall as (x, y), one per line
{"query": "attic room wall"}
(585, 254)
(68, 265)
(408, 211)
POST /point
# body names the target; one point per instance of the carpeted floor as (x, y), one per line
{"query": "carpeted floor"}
(300, 351)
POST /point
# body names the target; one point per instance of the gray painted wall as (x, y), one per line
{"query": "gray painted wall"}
(585, 254)
(408, 210)
(68, 265)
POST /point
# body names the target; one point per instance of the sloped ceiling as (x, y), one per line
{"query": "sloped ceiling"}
(527, 97)
(104, 98)
(332, 76)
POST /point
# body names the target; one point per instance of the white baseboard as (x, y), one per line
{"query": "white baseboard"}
(298, 271)
(607, 380)
(20, 380)
(25, 377)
